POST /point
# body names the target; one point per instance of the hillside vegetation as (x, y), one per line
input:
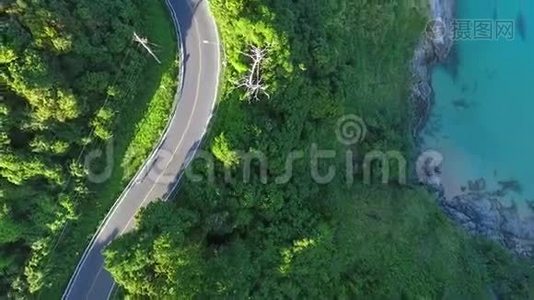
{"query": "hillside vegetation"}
(80, 98)
(303, 240)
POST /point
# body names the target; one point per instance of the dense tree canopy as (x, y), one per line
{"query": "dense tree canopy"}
(69, 69)
(71, 72)
(231, 238)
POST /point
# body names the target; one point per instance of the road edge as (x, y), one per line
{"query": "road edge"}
(113, 208)
(214, 108)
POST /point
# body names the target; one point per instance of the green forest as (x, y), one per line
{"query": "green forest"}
(76, 83)
(73, 83)
(302, 240)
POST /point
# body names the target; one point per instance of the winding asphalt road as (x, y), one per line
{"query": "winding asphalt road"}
(161, 172)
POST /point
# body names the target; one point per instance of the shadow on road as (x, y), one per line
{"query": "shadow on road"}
(185, 14)
(173, 186)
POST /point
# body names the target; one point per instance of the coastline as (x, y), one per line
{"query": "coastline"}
(478, 211)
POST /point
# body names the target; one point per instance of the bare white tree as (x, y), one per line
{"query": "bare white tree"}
(253, 82)
(144, 42)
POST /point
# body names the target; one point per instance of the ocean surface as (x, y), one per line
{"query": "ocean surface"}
(483, 119)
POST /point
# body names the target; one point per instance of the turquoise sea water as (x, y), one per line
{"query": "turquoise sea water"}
(483, 118)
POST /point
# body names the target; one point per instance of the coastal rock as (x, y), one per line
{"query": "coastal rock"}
(482, 214)
(433, 48)
(443, 12)
(479, 212)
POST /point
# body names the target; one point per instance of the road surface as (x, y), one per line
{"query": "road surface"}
(160, 173)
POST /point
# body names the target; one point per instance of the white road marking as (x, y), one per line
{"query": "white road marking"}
(176, 150)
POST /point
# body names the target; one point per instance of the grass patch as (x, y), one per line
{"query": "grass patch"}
(138, 129)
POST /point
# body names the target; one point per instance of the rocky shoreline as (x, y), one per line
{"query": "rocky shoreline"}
(434, 48)
(478, 211)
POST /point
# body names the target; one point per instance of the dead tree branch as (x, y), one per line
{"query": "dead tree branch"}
(144, 42)
(253, 82)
